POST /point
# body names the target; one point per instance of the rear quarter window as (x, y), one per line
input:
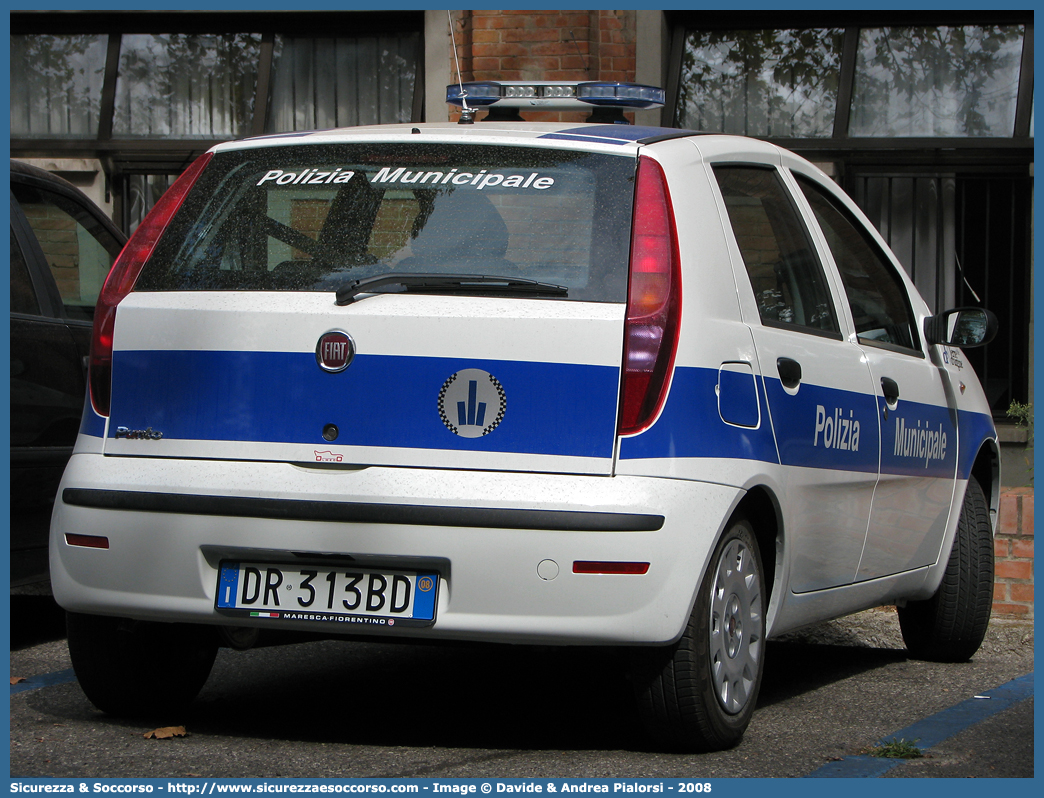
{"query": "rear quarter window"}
(309, 218)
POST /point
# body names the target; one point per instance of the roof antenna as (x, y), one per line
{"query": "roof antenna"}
(579, 52)
(467, 115)
(965, 279)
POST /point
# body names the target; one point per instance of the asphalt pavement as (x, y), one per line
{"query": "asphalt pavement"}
(372, 710)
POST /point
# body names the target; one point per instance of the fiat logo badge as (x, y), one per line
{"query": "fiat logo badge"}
(334, 351)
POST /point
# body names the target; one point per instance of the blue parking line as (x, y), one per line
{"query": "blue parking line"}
(931, 731)
(47, 680)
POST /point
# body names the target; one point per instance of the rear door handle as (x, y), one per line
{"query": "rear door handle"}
(789, 372)
(891, 391)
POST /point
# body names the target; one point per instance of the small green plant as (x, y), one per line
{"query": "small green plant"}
(896, 749)
(1023, 415)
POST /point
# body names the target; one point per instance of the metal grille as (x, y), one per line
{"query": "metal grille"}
(960, 237)
(993, 244)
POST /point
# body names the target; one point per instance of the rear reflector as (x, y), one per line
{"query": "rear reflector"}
(88, 541)
(595, 567)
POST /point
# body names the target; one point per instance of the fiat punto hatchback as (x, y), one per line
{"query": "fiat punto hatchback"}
(558, 384)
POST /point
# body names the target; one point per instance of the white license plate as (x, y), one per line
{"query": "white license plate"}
(338, 595)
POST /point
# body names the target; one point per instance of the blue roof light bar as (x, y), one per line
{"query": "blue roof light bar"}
(622, 95)
(555, 95)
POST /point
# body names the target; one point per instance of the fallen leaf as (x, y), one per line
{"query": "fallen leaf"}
(166, 733)
(17, 679)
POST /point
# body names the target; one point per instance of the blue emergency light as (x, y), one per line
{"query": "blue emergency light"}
(504, 99)
(555, 95)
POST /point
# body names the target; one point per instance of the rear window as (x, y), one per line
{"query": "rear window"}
(311, 217)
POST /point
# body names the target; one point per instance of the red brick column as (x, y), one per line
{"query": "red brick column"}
(616, 49)
(545, 45)
(1013, 551)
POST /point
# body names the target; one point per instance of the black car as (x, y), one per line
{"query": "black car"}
(62, 247)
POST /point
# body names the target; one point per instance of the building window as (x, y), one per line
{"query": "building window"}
(779, 83)
(358, 80)
(186, 86)
(148, 99)
(937, 81)
(56, 85)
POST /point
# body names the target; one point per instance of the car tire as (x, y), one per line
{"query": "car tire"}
(138, 668)
(699, 693)
(950, 626)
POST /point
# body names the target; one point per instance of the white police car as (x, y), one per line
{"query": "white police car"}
(528, 383)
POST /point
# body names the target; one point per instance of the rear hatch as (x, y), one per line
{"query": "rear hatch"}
(232, 344)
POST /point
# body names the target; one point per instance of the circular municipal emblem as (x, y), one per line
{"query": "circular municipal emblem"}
(334, 351)
(472, 403)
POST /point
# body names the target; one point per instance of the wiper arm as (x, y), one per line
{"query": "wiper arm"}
(448, 283)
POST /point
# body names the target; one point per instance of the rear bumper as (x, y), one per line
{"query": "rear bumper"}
(169, 523)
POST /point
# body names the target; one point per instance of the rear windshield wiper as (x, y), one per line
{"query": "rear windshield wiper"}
(448, 284)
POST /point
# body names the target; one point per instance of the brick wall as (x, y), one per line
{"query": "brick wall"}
(56, 231)
(1013, 550)
(545, 45)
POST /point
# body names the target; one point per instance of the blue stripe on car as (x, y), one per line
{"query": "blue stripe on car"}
(379, 401)
(825, 427)
(975, 428)
(390, 401)
(690, 426)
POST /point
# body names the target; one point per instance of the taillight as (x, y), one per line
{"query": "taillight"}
(122, 277)
(653, 302)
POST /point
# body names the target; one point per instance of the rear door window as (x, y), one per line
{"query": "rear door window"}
(310, 218)
(77, 248)
(23, 295)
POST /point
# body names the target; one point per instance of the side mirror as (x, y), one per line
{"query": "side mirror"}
(963, 327)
